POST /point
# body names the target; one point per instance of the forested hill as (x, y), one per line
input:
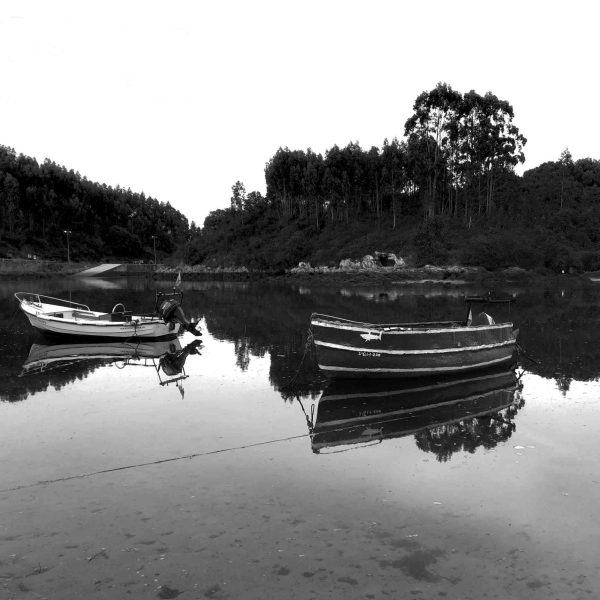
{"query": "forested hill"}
(38, 202)
(446, 193)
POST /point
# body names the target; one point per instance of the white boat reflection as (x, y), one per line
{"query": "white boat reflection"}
(166, 357)
(476, 409)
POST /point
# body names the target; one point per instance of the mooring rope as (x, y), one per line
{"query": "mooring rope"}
(307, 349)
(12, 318)
(150, 463)
(521, 352)
(310, 434)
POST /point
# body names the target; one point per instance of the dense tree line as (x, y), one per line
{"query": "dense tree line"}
(38, 202)
(455, 151)
(446, 192)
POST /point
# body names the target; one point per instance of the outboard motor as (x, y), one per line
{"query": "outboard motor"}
(170, 311)
(172, 362)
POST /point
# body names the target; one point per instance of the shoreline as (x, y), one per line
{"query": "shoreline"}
(454, 276)
(19, 268)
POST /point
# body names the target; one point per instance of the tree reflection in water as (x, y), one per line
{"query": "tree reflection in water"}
(59, 362)
(445, 415)
(559, 327)
(486, 431)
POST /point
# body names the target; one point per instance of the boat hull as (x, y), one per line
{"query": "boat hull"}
(348, 349)
(359, 413)
(57, 320)
(123, 331)
(42, 356)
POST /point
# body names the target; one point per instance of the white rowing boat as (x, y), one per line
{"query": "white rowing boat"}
(48, 356)
(64, 317)
(164, 355)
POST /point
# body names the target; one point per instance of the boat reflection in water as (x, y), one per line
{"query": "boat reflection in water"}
(166, 357)
(445, 415)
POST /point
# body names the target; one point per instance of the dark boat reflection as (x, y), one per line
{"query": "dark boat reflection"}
(445, 415)
(166, 357)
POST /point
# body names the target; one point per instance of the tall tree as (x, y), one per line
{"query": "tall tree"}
(459, 143)
(393, 173)
(238, 198)
(431, 125)
(566, 165)
(495, 143)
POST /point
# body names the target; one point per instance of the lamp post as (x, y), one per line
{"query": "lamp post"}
(154, 240)
(68, 232)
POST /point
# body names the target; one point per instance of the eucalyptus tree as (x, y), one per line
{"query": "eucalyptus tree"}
(277, 180)
(393, 159)
(566, 165)
(489, 143)
(357, 169)
(312, 183)
(461, 144)
(334, 183)
(374, 178)
(432, 127)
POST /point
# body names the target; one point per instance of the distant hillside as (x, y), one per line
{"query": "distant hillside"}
(38, 202)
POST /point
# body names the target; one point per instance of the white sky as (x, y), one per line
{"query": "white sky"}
(180, 99)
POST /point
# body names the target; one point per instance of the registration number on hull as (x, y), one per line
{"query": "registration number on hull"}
(370, 354)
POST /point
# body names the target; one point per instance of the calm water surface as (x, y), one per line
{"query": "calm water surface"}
(243, 474)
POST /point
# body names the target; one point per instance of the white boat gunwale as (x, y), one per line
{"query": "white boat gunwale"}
(393, 415)
(406, 352)
(20, 296)
(401, 328)
(424, 370)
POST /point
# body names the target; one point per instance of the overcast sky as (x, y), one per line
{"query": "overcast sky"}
(180, 99)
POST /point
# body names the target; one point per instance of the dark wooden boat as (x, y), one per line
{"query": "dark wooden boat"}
(364, 412)
(352, 349)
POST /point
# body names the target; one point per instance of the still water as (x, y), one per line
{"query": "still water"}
(233, 470)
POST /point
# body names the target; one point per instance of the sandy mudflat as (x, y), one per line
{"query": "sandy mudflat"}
(208, 528)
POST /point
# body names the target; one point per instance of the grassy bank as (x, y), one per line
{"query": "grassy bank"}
(446, 275)
(14, 268)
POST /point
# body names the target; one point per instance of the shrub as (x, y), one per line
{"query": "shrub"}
(590, 260)
(502, 249)
(429, 242)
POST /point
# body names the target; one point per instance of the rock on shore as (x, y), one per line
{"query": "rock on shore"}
(387, 263)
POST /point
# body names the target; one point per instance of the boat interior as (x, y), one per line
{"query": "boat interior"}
(93, 316)
(74, 310)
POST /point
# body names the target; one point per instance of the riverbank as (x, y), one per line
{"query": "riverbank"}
(430, 274)
(448, 275)
(15, 268)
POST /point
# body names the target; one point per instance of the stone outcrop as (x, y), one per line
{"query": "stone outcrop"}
(368, 263)
(378, 261)
(347, 264)
(389, 264)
